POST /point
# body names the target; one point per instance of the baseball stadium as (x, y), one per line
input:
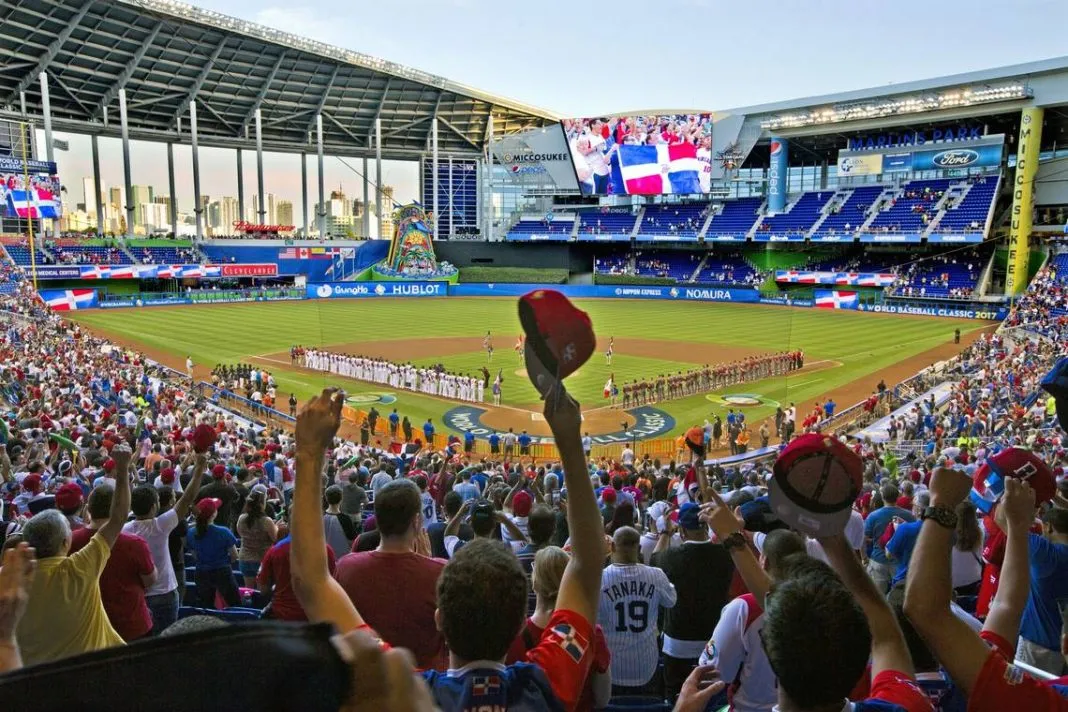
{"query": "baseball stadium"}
(831, 264)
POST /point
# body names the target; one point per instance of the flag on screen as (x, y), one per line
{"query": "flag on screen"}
(660, 169)
(70, 299)
(32, 204)
(836, 300)
(294, 253)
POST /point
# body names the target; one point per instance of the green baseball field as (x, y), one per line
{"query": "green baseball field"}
(846, 353)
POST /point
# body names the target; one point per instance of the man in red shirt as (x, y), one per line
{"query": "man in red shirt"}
(394, 588)
(981, 665)
(274, 573)
(128, 573)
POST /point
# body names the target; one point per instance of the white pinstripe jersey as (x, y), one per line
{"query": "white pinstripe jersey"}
(631, 596)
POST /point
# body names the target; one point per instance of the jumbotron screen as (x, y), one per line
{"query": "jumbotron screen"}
(642, 155)
(40, 197)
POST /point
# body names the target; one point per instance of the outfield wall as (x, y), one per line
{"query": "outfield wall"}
(825, 299)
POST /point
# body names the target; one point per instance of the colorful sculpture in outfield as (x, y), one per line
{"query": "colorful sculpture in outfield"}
(411, 253)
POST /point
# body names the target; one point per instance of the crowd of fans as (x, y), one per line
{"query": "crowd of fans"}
(518, 585)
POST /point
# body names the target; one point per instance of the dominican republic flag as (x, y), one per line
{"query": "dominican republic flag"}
(660, 169)
(323, 253)
(828, 299)
(846, 278)
(168, 271)
(69, 299)
(485, 686)
(573, 643)
(32, 204)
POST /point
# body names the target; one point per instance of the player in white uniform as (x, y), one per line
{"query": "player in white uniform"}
(735, 647)
(631, 596)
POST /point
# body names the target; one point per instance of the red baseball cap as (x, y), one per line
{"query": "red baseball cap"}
(521, 503)
(207, 507)
(559, 337)
(219, 471)
(816, 480)
(988, 483)
(608, 494)
(202, 437)
(69, 497)
(166, 476)
(32, 482)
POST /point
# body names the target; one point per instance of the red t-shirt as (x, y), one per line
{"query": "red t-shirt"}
(531, 634)
(397, 595)
(274, 570)
(564, 654)
(121, 588)
(1002, 686)
(899, 689)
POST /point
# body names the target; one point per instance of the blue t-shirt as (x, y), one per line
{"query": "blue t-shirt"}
(212, 549)
(428, 430)
(468, 490)
(829, 407)
(875, 525)
(900, 547)
(469, 437)
(524, 440)
(520, 687)
(494, 440)
(394, 418)
(1041, 622)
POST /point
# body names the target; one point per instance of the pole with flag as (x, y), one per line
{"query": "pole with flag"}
(24, 127)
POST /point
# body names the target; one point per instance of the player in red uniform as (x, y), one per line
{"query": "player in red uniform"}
(482, 592)
(980, 664)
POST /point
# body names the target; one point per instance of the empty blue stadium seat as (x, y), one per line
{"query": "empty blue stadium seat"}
(970, 214)
(606, 222)
(736, 218)
(853, 212)
(911, 205)
(801, 217)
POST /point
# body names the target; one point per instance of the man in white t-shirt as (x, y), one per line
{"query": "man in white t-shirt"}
(155, 528)
(628, 456)
(735, 648)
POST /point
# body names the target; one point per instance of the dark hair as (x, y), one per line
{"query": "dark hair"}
(541, 524)
(660, 488)
(890, 494)
(143, 499)
(968, 535)
(255, 506)
(420, 482)
(333, 495)
(780, 544)
(623, 516)
(815, 634)
(1058, 520)
(396, 505)
(166, 498)
(99, 503)
(202, 522)
(482, 596)
(453, 501)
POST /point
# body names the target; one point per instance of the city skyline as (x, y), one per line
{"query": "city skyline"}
(152, 211)
(218, 172)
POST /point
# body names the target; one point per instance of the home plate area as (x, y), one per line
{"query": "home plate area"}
(604, 426)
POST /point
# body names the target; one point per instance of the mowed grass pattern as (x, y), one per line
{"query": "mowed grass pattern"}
(861, 343)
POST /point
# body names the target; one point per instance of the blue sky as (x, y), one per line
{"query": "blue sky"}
(589, 58)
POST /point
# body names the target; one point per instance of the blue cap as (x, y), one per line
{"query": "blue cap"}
(689, 516)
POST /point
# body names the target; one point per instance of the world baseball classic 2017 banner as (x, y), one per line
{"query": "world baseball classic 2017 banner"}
(845, 279)
(96, 272)
(994, 313)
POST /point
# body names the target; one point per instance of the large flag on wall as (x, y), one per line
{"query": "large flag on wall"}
(835, 299)
(69, 299)
(660, 169)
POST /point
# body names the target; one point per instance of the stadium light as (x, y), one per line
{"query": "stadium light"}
(882, 108)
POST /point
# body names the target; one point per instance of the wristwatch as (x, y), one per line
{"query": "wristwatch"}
(734, 541)
(941, 515)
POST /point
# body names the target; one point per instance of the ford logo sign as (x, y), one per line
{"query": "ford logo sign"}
(956, 158)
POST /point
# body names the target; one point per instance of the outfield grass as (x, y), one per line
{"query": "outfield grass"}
(856, 343)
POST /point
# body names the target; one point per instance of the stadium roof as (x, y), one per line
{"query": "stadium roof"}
(167, 53)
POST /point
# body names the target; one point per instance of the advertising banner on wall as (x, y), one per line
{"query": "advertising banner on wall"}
(536, 157)
(29, 189)
(870, 164)
(983, 152)
(96, 272)
(604, 291)
(994, 313)
(347, 290)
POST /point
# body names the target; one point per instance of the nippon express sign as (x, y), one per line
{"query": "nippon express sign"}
(348, 290)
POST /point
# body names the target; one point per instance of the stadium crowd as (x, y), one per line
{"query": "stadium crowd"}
(710, 378)
(518, 585)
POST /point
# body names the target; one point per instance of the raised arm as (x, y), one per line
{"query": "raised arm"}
(888, 649)
(190, 494)
(728, 531)
(929, 589)
(514, 532)
(1015, 515)
(16, 580)
(515, 490)
(581, 583)
(120, 502)
(321, 596)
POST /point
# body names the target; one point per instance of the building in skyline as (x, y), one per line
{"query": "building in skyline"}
(284, 213)
(270, 216)
(387, 211)
(89, 195)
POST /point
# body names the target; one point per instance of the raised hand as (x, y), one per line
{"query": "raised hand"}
(562, 412)
(700, 687)
(949, 487)
(16, 578)
(317, 424)
(719, 516)
(122, 454)
(1016, 510)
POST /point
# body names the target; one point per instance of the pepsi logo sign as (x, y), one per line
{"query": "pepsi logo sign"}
(956, 158)
(776, 148)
